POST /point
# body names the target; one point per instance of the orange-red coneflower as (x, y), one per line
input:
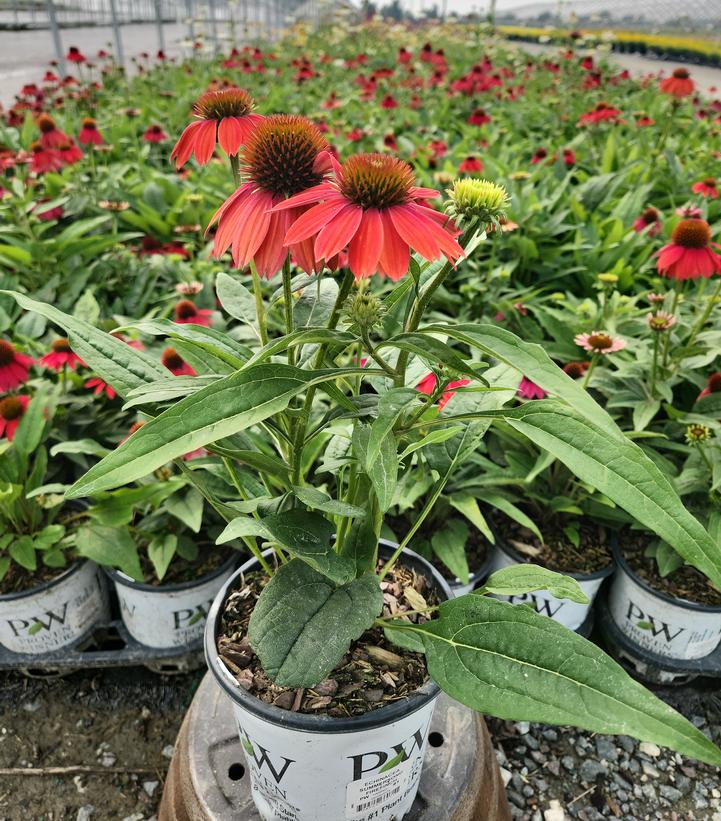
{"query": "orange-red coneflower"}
(224, 116)
(707, 187)
(679, 84)
(689, 254)
(12, 409)
(14, 366)
(375, 209)
(61, 355)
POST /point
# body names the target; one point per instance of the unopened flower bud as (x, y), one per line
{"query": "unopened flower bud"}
(696, 434)
(365, 310)
(473, 199)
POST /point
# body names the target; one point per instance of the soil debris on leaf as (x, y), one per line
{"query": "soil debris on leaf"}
(372, 673)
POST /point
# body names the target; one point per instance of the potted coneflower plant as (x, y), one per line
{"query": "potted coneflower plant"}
(50, 596)
(331, 645)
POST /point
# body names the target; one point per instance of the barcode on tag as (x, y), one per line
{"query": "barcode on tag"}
(379, 799)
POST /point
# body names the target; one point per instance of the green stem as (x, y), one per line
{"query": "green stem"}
(655, 363)
(235, 168)
(698, 327)
(259, 304)
(375, 355)
(589, 372)
(288, 306)
(674, 305)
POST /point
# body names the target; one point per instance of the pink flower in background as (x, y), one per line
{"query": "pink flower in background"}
(187, 313)
(61, 356)
(99, 387)
(14, 366)
(12, 409)
(530, 390)
(599, 342)
(427, 385)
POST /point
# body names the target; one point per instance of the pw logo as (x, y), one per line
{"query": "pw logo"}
(543, 606)
(262, 759)
(383, 761)
(645, 621)
(34, 624)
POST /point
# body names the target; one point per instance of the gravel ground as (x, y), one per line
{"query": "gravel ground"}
(122, 723)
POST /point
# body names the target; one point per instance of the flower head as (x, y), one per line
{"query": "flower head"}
(473, 199)
(375, 209)
(187, 313)
(428, 385)
(688, 255)
(175, 363)
(713, 385)
(649, 219)
(471, 165)
(708, 187)
(599, 342)
(284, 156)
(660, 321)
(189, 288)
(14, 366)
(89, 134)
(679, 84)
(99, 387)
(12, 409)
(61, 356)
(225, 116)
(696, 434)
(155, 134)
(576, 369)
(530, 390)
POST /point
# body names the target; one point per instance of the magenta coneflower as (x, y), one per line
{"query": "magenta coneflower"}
(688, 255)
(89, 134)
(99, 387)
(707, 187)
(155, 134)
(224, 116)
(187, 313)
(61, 356)
(599, 342)
(649, 220)
(14, 366)
(174, 362)
(428, 384)
(12, 409)
(285, 155)
(530, 390)
(375, 209)
(713, 385)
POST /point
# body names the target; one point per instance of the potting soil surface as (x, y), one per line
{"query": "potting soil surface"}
(111, 733)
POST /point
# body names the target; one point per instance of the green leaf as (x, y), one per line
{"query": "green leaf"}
(449, 544)
(243, 526)
(433, 352)
(161, 552)
(22, 551)
(302, 624)
(512, 663)
(167, 389)
(322, 501)
(360, 545)
(309, 537)
(110, 546)
(644, 411)
(112, 359)
(29, 432)
(623, 472)
(432, 438)
(48, 536)
(315, 304)
(188, 508)
(383, 471)
(87, 308)
(526, 578)
(228, 406)
(468, 506)
(512, 511)
(86, 446)
(236, 300)
(390, 406)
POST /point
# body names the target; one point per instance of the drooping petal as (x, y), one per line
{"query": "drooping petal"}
(252, 224)
(205, 141)
(338, 232)
(413, 232)
(366, 245)
(184, 147)
(225, 216)
(412, 223)
(423, 193)
(310, 196)
(395, 255)
(313, 221)
(271, 253)
(230, 135)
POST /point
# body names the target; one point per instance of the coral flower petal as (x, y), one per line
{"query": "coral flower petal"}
(366, 245)
(423, 193)
(184, 147)
(271, 252)
(395, 256)
(230, 135)
(314, 220)
(251, 227)
(227, 212)
(322, 191)
(204, 141)
(338, 232)
(445, 241)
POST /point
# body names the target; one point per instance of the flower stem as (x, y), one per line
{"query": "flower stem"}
(589, 372)
(235, 168)
(259, 305)
(655, 363)
(698, 327)
(674, 306)
(288, 306)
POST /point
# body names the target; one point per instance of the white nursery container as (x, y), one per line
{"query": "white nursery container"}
(55, 614)
(170, 615)
(320, 768)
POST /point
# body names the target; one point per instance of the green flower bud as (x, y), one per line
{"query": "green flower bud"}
(474, 199)
(696, 434)
(364, 309)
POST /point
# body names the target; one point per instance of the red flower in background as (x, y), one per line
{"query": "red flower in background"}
(539, 155)
(187, 313)
(707, 187)
(285, 155)
(602, 113)
(471, 165)
(50, 135)
(650, 219)
(89, 134)
(375, 209)
(689, 255)
(154, 134)
(389, 101)
(12, 409)
(713, 385)
(679, 84)
(47, 214)
(427, 385)
(576, 369)
(43, 160)
(98, 387)
(74, 55)
(61, 355)
(479, 117)
(14, 366)
(174, 362)
(224, 116)
(530, 390)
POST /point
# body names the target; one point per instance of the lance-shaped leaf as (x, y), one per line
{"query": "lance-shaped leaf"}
(166, 389)
(512, 663)
(236, 300)
(621, 470)
(433, 352)
(302, 624)
(228, 406)
(526, 578)
(383, 471)
(304, 336)
(112, 359)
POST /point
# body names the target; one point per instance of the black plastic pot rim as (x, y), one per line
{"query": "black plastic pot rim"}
(659, 594)
(302, 721)
(120, 578)
(581, 577)
(21, 594)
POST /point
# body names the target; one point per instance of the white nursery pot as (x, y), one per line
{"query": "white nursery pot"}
(659, 623)
(566, 612)
(54, 614)
(171, 615)
(319, 768)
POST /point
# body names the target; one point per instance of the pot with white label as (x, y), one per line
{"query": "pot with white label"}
(168, 615)
(55, 614)
(315, 767)
(566, 612)
(657, 622)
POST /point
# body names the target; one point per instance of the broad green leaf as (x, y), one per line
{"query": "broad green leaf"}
(643, 413)
(110, 546)
(304, 336)
(526, 578)
(390, 406)
(322, 501)
(383, 471)
(360, 545)
(468, 506)
(87, 308)
(308, 536)
(112, 359)
(302, 624)
(22, 551)
(48, 536)
(514, 664)
(243, 526)
(168, 389)
(513, 512)
(315, 304)
(160, 552)
(433, 352)
(86, 446)
(449, 544)
(623, 472)
(432, 438)
(236, 300)
(188, 508)
(32, 423)
(228, 406)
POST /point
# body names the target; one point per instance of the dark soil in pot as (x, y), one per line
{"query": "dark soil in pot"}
(372, 674)
(18, 579)
(557, 552)
(685, 583)
(478, 548)
(210, 557)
